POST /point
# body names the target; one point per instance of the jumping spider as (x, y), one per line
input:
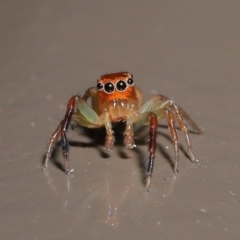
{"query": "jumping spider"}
(117, 99)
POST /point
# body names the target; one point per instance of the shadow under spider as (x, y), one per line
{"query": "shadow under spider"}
(97, 140)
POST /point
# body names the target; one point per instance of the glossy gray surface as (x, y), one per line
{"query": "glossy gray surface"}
(186, 50)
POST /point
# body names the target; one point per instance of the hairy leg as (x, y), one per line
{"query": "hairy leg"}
(61, 132)
(110, 139)
(185, 131)
(128, 134)
(159, 102)
(189, 120)
(51, 145)
(174, 138)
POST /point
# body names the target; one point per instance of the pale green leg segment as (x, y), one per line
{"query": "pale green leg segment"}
(87, 117)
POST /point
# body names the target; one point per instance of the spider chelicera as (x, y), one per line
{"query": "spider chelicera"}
(117, 99)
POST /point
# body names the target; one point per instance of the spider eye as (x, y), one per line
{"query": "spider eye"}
(109, 87)
(121, 85)
(130, 81)
(100, 86)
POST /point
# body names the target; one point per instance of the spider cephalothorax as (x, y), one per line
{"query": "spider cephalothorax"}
(115, 99)
(116, 85)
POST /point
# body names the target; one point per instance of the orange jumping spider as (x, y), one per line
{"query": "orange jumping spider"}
(117, 99)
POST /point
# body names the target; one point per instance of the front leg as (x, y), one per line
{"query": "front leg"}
(128, 134)
(61, 132)
(110, 139)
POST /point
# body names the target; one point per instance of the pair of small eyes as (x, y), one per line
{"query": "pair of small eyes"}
(120, 86)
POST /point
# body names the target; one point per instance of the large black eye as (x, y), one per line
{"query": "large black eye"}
(109, 87)
(121, 85)
(130, 81)
(100, 86)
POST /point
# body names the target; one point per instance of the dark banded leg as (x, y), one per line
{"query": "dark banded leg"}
(61, 132)
(153, 125)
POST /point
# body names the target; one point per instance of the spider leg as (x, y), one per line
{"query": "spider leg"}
(51, 144)
(103, 120)
(61, 132)
(153, 125)
(65, 152)
(128, 134)
(174, 137)
(189, 120)
(162, 107)
(178, 112)
(88, 117)
(110, 139)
